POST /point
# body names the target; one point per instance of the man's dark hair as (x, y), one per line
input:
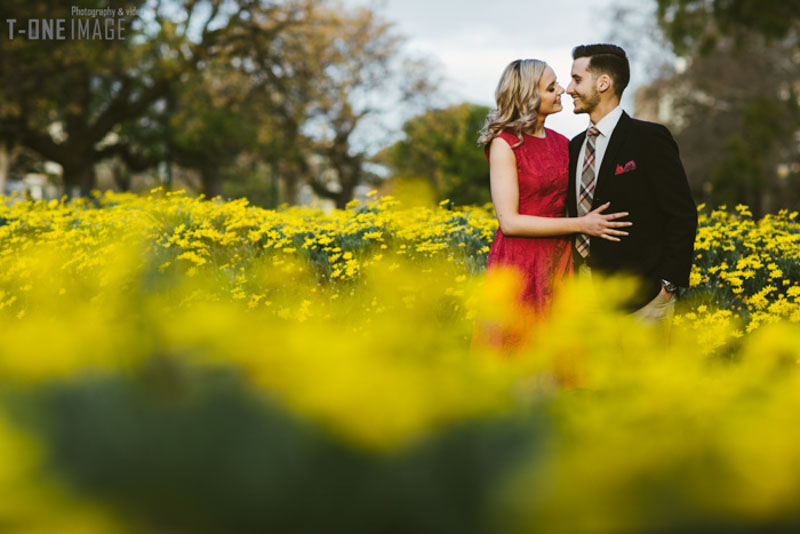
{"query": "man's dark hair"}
(607, 59)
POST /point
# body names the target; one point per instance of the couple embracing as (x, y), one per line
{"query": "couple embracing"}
(613, 200)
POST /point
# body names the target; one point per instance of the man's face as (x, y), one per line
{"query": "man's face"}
(582, 87)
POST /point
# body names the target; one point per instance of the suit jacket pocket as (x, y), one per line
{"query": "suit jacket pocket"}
(626, 175)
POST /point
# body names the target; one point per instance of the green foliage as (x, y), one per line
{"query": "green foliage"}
(110, 98)
(734, 107)
(190, 451)
(744, 173)
(440, 147)
(252, 179)
(699, 24)
(202, 85)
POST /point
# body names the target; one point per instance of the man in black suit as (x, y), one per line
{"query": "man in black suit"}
(635, 166)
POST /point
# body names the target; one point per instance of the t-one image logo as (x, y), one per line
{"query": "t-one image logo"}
(106, 24)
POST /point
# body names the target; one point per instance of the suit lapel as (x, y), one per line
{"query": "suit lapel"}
(572, 194)
(610, 156)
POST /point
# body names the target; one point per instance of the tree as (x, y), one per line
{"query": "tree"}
(330, 86)
(298, 85)
(700, 25)
(69, 95)
(78, 102)
(210, 123)
(440, 146)
(731, 99)
(366, 78)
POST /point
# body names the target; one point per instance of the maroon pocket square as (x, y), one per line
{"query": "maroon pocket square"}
(630, 166)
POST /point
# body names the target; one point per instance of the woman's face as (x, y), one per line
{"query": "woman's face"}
(550, 93)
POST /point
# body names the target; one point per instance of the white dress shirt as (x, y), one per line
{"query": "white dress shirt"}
(606, 127)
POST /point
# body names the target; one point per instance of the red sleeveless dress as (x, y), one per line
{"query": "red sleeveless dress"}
(542, 171)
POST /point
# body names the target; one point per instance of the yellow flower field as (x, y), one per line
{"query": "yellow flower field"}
(174, 364)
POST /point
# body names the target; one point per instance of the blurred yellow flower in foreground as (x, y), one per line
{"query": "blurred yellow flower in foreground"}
(358, 325)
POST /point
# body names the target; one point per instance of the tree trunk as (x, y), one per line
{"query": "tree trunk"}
(122, 177)
(5, 164)
(289, 180)
(212, 185)
(346, 195)
(273, 186)
(78, 179)
(349, 170)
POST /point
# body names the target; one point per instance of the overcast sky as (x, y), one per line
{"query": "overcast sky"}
(475, 39)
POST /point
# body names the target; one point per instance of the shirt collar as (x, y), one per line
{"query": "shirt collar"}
(607, 124)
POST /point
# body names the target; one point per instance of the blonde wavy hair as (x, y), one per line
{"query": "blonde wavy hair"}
(517, 97)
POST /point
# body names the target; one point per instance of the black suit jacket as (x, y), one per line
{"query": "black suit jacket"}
(658, 198)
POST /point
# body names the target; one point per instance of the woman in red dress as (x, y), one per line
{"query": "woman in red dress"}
(528, 167)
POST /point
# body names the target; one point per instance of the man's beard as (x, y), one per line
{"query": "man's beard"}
(588, 102)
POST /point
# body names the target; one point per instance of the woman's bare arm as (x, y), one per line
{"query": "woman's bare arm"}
(505, 197)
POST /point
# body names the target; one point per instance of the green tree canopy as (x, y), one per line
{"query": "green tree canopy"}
(700, 24)
(440, 146)
(734, 105)
(298, 85)
(70, 97)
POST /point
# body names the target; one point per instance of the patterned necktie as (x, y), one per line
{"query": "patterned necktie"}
(588, 183)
